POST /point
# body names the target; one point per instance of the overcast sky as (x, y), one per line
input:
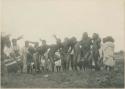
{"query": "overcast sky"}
(42, 18)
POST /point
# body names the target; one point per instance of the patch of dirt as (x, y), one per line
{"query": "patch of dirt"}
(70, 79)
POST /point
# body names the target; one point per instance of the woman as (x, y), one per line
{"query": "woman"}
(108, 52)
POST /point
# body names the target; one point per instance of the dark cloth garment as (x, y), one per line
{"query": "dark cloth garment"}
(65, 61)
(95, 52)
(96, 44)
(76, 56)
(65, 47)
(36, 59)
(96, 60)
(65, 55)
(43, 49)
(95, 48)
(85, 46)
(54, 48)
(29, 58)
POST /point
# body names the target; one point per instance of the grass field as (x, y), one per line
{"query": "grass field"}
(70, 79)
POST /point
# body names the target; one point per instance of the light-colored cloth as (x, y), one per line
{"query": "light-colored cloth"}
(46, 54)
(16, 48)
(42, 61)
(8, 51)
(57, 54)
(58, 62)
(108, 54)
(72, 52)
(16, 51)
(101, 51)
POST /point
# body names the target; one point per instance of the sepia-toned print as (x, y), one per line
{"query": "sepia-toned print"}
(62, 44)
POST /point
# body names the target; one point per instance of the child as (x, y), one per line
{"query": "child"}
(58, 65)
(43, 63)
(58, 61)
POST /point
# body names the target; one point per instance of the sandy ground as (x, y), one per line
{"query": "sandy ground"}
(70, 79)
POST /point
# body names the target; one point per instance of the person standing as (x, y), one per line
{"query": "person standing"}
(24, 53)
(16, 52)
(96, 43)
(65, 54)
(5, 39)
(44, 55)
(108, 52)
(86, 43)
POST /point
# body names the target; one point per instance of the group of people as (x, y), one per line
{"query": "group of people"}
(88, 53)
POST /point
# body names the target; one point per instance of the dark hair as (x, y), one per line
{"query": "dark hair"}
(104, 40)
(85, 35)
(95, 36)
(14, 40)
(26, 42)
(108, 39)
(43, 41)
(31, 49)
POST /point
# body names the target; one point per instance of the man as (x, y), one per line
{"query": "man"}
(95, 49)
(44, 47)
(15, 46)
(16, 52)
(77, 55)
(36, 55)
(4, 73)
(44, 55)
(24, 53)
(85, 49)
(65, 54)
(30, 60)
(36, 59)
(85, 44)
(73, 41)
(51, 55)
(8, 50)
(9, 60)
